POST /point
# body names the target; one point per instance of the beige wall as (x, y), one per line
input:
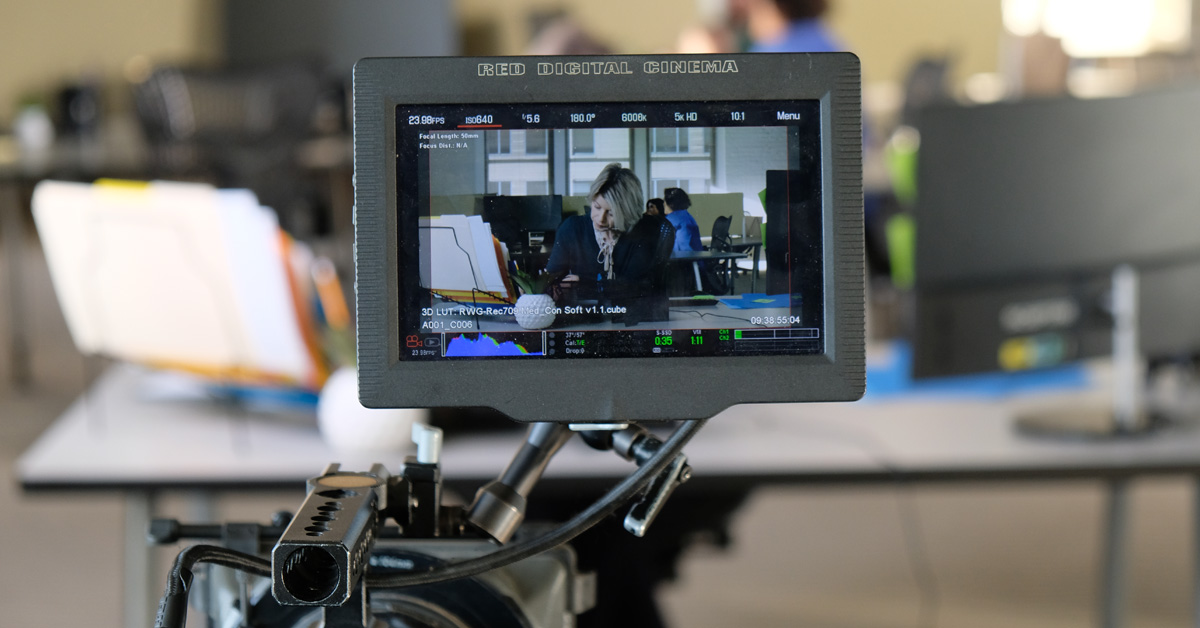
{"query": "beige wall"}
(628, 26)
(51, 41)
(890, 34)
(887, 34)
(48, 42)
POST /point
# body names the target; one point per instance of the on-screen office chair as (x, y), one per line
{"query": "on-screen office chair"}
(718, 275)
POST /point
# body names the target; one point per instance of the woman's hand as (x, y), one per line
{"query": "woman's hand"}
(566, 283)
(609, 235)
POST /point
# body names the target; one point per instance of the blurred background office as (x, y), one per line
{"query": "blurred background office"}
(255, 94)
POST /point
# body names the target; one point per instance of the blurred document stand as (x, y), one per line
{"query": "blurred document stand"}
(70, 158)
(115, 438)
(179, 275)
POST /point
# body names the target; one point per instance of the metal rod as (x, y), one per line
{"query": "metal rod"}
(12, 234)
(1116, 555)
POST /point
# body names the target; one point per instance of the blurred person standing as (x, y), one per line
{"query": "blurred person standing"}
(798, 26)
(784, 25)
(762, 26)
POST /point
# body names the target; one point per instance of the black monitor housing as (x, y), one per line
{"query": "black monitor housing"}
(1025, 211)
(423, 126)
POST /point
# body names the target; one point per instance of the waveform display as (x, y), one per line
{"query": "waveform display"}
(495, 345)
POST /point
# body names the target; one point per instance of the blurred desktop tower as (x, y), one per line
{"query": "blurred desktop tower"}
(1024, 211)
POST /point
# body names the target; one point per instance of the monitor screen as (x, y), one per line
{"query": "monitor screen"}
(558, 237)
(492, 198)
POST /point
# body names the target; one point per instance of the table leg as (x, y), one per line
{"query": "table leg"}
(696, 271)
(12, 233)
(142, 584)
(1196, 556)
(202, 506)
(1112, 600)
(754, 276)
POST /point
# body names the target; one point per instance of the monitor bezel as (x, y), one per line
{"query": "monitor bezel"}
(608, 389)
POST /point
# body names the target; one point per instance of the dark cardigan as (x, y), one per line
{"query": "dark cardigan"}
(575, 252)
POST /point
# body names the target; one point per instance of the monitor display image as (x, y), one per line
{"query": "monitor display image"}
(493, 194)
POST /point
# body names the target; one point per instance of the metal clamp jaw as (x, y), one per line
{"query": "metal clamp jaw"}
(646, 509)
(637, 444)
(499, 506)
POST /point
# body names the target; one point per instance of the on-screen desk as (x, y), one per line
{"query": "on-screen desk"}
(113, 439)
(696, 257)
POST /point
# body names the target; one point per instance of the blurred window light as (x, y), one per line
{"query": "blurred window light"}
(1104, 28)
(1023, 18)
(985, 87)
(1090, 82)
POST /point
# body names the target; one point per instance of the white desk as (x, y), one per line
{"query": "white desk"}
(114, 440)
(696, 257)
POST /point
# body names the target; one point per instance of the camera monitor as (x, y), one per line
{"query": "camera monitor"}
(598, 313)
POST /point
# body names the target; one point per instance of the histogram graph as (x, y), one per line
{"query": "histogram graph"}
(491, 345)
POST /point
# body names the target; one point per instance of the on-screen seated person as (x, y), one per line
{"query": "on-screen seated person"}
(655, 207)
(615, 247)
(687, 232)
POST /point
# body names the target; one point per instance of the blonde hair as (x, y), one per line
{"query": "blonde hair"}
(623, 191)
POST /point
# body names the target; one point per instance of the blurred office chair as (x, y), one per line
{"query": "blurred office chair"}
(234, 129)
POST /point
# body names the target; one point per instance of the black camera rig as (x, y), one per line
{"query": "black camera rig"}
(339, 561)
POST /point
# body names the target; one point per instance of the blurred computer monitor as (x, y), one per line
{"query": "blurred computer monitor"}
(1026, 208)
(335, 34)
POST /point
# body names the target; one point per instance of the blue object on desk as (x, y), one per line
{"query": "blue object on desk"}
(757, 301)
(894, 377)
(267, 396)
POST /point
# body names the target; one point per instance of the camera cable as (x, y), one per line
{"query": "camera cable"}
(617, 496)
(172, 609)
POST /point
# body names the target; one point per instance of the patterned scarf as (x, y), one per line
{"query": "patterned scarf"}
(606, 250)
